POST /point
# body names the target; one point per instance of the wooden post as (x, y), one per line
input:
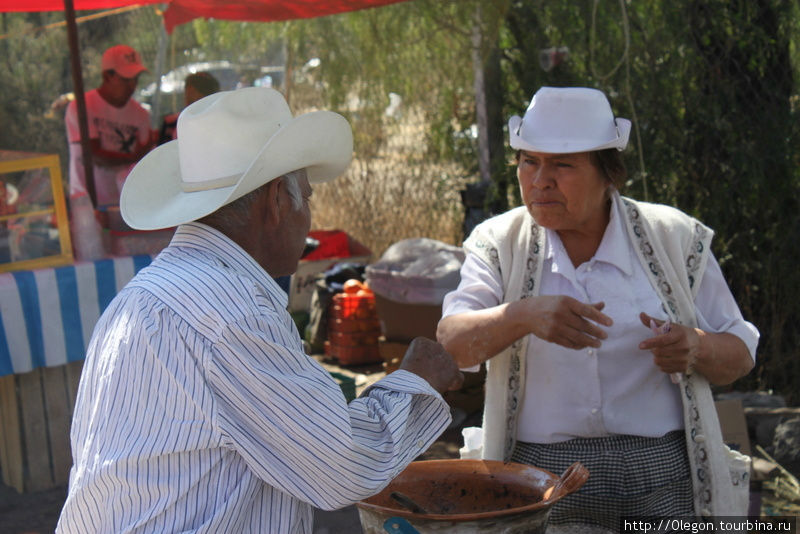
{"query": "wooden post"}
(80, 100)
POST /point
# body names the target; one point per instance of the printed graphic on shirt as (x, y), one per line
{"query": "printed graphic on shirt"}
(115, 136)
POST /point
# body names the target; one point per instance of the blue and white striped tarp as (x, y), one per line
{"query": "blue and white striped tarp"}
(47, 316)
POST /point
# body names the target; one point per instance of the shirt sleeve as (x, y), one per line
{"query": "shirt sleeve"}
(287, 417)
(144, 127)
(478, 289)
(717, 310)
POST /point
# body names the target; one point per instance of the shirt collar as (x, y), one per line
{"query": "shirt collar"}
(613, 248)
(228, 253)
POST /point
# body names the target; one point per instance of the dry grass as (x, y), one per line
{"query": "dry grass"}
(392, 191)
(781, 492)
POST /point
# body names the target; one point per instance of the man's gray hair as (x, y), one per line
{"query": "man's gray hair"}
(290, 179)
(237, 213)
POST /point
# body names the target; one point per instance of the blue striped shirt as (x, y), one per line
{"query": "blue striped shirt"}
(198, 410)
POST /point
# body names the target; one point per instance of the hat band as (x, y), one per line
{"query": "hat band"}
(217, 183)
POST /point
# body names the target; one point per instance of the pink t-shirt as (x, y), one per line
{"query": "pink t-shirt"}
(119, 130)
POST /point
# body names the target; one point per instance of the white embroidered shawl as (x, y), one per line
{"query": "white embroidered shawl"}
(673, 249)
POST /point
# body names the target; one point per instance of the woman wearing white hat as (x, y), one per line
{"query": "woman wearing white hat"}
(602, 320)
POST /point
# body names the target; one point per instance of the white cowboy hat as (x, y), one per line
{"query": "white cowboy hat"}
(229, 144)
(565, 120)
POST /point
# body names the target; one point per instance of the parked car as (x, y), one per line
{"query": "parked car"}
(230, 76)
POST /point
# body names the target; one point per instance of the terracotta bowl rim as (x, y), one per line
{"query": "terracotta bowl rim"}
(399, 512)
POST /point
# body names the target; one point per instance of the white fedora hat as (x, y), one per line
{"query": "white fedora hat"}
(563, 120)
(229, 144)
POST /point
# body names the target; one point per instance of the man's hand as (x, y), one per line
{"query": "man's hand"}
(429, 360)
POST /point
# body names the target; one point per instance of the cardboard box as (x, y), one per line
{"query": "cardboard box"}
(403, 322)
(733, 425)
(303, 280)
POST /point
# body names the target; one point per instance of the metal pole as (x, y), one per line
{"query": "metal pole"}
(77, 84)
(155, 116)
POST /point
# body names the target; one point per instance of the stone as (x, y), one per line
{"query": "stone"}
(786, 445)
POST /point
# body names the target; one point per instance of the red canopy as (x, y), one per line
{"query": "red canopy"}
(181, 11)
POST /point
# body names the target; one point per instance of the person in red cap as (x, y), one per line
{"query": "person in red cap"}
(120, 135)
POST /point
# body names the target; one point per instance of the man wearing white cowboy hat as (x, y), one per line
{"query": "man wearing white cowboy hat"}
(198, 410)
(602, 320)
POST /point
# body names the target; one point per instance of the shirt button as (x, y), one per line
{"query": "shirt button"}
(594, 411)
(591, 352)
(420, 443)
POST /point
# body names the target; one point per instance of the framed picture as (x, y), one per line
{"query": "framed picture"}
(34, 226)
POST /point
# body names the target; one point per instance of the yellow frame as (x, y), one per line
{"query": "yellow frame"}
(52, 163)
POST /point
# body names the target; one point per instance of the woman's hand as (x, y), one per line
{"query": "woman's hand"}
(675, 351)
(566, 321)
(720, 357)
(475, 336)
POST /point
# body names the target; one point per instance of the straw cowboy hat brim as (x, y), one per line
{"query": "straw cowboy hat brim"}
(158, 194)
(563, 120)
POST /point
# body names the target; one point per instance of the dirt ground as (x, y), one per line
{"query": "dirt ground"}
(37, 512)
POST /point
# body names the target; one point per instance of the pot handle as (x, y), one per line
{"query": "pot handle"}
(571, 480)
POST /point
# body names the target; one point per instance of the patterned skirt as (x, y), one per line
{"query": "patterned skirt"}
(629, 477)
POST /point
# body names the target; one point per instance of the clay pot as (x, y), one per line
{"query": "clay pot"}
(466, 496)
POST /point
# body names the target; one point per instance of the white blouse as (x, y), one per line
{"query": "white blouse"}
(616, 389)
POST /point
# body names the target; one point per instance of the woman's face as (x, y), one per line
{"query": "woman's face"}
(563, 192)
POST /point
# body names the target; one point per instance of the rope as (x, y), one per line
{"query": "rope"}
(623, 60)
(78, 20)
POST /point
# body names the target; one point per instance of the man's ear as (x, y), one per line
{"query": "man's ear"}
(272, 201)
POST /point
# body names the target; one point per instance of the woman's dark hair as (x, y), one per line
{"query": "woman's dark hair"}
(610, 163)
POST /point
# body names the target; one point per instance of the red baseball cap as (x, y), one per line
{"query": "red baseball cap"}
(123, 60)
